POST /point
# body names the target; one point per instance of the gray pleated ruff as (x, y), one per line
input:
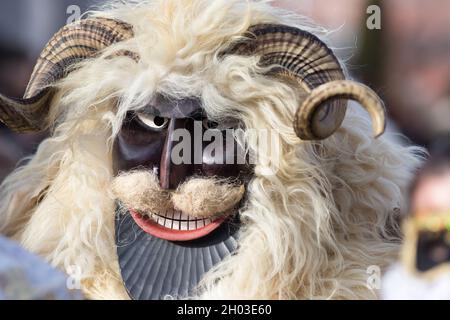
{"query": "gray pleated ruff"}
(153, 268)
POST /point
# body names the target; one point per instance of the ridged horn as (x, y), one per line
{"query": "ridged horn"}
(340, 89)
(73, 43)
(304, 58)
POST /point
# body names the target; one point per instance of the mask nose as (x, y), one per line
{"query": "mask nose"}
(172, 175)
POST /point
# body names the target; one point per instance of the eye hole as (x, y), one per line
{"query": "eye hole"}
(208, 124)
(223, 125)
(153, 122)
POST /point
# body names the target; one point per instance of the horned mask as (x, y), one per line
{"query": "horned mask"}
(298, 55)
(177, 219)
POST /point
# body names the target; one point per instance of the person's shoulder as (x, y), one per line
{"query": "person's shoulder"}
(397, 283)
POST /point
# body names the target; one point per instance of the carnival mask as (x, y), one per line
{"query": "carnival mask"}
(178, 217)
(426, 252)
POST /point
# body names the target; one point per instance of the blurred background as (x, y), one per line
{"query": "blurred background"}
(407, 60)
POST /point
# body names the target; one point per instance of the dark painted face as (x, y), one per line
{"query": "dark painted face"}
(165, 247)
(149, 141)
(146, 141)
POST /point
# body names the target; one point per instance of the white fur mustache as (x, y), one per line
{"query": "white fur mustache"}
(199, 198)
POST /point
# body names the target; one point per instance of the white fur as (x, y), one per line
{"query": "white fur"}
(310, 231)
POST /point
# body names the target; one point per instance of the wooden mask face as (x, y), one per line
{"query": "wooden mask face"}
(171, 140)
(183, 220)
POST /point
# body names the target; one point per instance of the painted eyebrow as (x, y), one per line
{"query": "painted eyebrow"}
(174, 108)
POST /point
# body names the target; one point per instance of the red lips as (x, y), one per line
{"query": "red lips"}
(151, 227)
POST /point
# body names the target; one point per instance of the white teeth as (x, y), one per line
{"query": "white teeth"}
(175, 226)
(176, 220)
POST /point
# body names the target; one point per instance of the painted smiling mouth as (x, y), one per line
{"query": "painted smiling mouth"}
(175, 225)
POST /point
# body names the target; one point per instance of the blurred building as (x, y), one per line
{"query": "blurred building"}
(29, 24)
(343, 17)
(416, 72)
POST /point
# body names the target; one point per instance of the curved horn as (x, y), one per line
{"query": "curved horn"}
(341, 89)
(73, 43)
(303, 57)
